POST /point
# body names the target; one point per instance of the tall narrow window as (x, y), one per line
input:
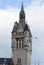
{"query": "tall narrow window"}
(19, 43)
(22, 43)
(19, 60)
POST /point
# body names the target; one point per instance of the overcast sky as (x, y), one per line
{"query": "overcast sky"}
(9, 13)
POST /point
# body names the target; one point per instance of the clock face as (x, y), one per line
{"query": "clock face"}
(20, 30)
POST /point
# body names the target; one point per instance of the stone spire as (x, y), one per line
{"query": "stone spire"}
(22, 13)
(22, 8)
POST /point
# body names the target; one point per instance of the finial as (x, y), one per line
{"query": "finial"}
(22, 5)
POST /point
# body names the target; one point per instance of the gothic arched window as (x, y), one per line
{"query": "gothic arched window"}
(19, 43)
(19, 60)
(22, 43)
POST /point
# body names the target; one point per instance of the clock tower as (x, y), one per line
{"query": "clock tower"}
(21, 41)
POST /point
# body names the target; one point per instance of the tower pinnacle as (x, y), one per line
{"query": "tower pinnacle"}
(22, 13)
(22, 8)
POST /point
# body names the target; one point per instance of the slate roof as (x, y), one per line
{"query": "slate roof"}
(27, 29)
(23, 25)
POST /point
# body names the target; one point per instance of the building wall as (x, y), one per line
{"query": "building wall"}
(24, 53)
(20, 54)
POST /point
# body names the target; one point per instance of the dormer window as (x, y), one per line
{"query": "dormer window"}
(21, 17)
